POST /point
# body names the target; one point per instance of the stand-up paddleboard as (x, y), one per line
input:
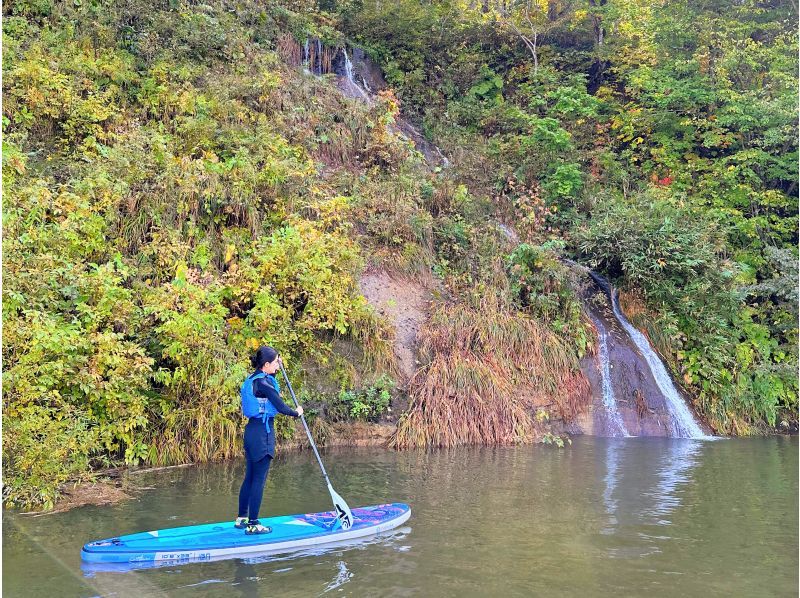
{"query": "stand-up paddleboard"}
(212, 541)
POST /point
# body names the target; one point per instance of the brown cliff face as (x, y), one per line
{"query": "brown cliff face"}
(405, 303)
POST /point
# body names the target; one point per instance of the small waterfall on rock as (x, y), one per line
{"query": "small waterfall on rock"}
(634, 393)
(348, 67)
(351, 82)
(609, 400)
(683, 422)
(358, 78)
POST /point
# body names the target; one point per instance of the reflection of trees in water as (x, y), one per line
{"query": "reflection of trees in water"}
(246, 579)
(324, 565)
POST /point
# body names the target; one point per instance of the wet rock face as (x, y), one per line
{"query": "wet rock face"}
(364, 72)
(360, 78)
(640, 402)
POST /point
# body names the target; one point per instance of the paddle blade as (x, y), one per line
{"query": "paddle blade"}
(343, 512)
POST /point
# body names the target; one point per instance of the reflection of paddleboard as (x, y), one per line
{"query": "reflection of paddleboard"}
(200, 543)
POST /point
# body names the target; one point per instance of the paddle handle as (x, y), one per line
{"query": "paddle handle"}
(305, 425)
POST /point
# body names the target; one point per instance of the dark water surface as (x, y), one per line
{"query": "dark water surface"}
(625, 517)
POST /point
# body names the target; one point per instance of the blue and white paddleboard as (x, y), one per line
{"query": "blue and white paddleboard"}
(212, 541)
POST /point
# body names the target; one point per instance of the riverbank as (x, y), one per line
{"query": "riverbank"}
(118, 484)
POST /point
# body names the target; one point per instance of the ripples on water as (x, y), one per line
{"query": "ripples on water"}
(624, 516)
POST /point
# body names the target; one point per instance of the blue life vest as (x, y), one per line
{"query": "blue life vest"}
(253, 406)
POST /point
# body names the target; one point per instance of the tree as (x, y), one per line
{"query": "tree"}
(530, 20)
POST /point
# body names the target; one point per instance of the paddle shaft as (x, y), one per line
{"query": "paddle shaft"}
(305, 425)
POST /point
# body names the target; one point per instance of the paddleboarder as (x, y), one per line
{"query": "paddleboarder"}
(261, 402)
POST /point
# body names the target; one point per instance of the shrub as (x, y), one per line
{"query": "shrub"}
(366, 404)
(717, 344)
(541, 286)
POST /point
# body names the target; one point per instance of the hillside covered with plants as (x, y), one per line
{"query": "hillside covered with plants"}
(178, 191)
(655, 142)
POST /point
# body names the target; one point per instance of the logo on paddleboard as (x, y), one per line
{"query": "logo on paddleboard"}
(344, 518)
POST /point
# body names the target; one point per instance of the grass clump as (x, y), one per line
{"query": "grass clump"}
(486, 368)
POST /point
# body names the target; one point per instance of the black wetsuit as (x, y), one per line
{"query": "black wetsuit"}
(259, 449)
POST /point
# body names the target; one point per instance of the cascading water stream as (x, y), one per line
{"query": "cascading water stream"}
(348, 70)
(683, 422)
(348, 66)
(609, 400)
(360, 81)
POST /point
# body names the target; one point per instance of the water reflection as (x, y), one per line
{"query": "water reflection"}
(642, 493)
(342, 577)
(675, 468)
(390, 538)
(611, 480)
(602, 517)
(249, 584)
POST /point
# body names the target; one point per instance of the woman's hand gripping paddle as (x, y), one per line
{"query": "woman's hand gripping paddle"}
(343, 513)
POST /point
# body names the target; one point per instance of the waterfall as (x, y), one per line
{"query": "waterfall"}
(609, 400)
(348, 70)
(348, 67)
(683, 422)
(318, 61)
(305, 56)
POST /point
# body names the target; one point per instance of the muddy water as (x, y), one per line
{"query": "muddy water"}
(637, 516)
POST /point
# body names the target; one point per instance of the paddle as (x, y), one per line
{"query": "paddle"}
(343, 512)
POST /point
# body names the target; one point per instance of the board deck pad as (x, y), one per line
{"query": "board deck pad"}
(212, 541)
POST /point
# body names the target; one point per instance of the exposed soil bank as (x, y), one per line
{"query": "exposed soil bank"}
(106, 491)
(405, 303)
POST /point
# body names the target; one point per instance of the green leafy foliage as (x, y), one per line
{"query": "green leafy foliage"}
(367, 404)
(164, 214)
(176, 193)
(742, 372)
(663, 137)
(541, 286)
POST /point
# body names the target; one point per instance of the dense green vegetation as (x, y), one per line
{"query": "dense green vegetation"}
(176, 192)
(660, 142)
(164, 213)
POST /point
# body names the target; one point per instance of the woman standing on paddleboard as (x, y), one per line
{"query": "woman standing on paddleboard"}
(261, 402)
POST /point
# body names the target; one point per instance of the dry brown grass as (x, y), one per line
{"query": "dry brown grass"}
(632, 305)
(377, 338)
(289, 50)
(488, 368)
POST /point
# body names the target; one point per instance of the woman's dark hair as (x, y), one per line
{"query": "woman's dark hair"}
(262, 356)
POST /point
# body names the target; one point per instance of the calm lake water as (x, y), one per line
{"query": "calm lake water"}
(625, 517)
